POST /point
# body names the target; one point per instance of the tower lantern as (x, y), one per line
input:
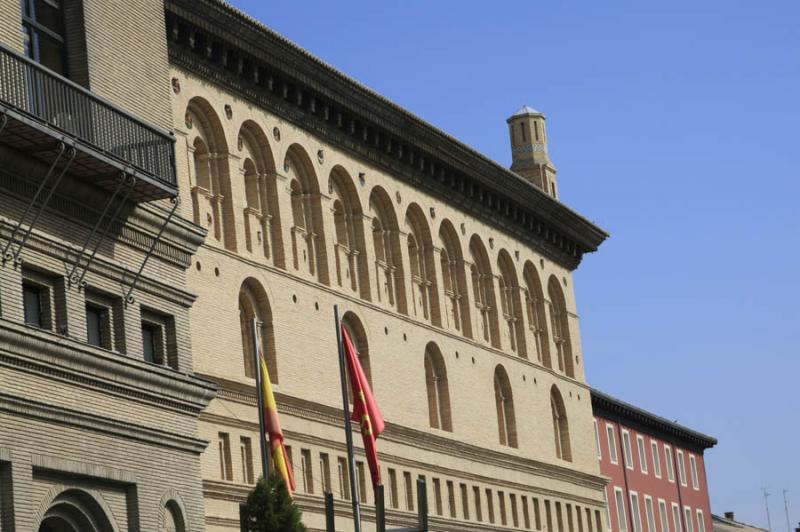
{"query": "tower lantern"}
(528, 134)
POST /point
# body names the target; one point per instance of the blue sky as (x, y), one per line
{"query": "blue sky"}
(675, 127)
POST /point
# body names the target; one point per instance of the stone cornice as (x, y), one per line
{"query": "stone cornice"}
(221, 44)
(426, 441)
(56, 357)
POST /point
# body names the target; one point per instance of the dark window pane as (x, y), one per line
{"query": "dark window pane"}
(95, 321)
(149, 338)
(51, 54)
(48, 14)
(33, 305)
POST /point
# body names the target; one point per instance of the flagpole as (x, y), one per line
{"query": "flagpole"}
(262, 438)
(348, 429)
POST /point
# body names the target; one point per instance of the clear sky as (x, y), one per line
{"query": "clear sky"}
(676, 127)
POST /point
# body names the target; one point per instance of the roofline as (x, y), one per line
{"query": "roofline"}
(382, 110)
(603, 401)
(733, 522)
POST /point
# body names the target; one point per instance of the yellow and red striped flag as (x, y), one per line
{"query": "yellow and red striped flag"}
(272, 426)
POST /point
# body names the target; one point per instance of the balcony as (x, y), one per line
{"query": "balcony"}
(42, 112)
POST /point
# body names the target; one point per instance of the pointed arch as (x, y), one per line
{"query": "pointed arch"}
(504, 404)
(308, 235)
(389, 279)
(422, 267)
(439, 415)
(211, 187)
(358, 335)
(253, 303)
(350, 260)
(454, 281)
(511, 304)
(560, 425)
(559, 325)
(483, 295)
(262, 220)
(536, 314)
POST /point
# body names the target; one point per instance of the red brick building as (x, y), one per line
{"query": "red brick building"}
(657, 473)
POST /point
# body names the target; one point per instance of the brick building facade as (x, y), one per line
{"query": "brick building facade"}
(295, 188)
(656, 468)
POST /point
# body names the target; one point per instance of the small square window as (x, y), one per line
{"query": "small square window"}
(158, 339)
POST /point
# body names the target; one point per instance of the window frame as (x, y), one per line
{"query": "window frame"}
(676, 517)
(656, 458)
(597, 439)
(650, 514)
(670, 463)
(627, 449)
(636, 511)
(694, 472)
(687, 514)
(619, 504)
(642, 450)
(612, 444)
(701, 520)
(663, 515)
(682, 469)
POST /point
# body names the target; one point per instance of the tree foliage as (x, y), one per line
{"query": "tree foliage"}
(269, 508)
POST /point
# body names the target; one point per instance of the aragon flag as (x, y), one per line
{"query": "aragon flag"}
(365, 409)
(272, 426)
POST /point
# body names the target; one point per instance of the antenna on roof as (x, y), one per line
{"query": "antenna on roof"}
(766, 504)
(786, 508)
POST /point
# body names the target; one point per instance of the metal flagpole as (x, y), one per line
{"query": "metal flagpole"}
(260, 396)
(348, 430)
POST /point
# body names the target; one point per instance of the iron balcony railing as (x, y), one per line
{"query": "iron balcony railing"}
(49, 98)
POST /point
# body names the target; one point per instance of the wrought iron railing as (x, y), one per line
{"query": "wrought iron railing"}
(28, 87)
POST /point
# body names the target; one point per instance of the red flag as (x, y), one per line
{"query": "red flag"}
(365, 409)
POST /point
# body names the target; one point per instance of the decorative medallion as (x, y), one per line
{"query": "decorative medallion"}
(433, 212)
(362, 178)
(321, 156)
(228, 111)
(176, 85)
(397, 196)
(276, 133)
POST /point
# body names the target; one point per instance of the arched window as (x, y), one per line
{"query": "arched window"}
(559, 325)
(262, 221)
(386, 242)
(510, 304)
(537, 317)
(483, 293)
(352, 270)
(504, 403)
(173, 518)
(560, 425)
(438, 392)
(253, 303)
(212, 203)
(355, 330)
(454, 281)
(425, 299)
(308, 238)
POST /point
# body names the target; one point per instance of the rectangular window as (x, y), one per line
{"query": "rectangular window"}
(246, 449)
(651, 513)
(570, 525)
(394, 500)
(642, 453)
(526, 513)
(33, 298)
(325, 471)
(701, 521)
(537, 514)
(656, 458)
(512, 499)
(344, 478)
(464, 501)
(559, 517)
(612, 444)
(676, 518)
(670, 465)
(489, 505)
(619, 501)
(451, 499)
(579, 517)
(597, 440)
(548, 514)
(597, 520)
(476, 496)
(307, 471)
(43, 30)
(693, 470)
(96, 324)
(636, 512)
(682, 470)
(409, 486)
(437, 496)
(501, 505)
(663, 516)
(225, 466)
(687, 513)
(589, 521)
(626, 446)
(158, 339)
(362, 481)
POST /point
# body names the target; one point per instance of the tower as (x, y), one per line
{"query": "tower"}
(529, 149)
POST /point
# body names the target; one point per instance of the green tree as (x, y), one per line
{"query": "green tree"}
(269, 508)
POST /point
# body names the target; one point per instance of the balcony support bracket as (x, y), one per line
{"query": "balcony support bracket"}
(124, 181)
(128, 295)
(8, 254)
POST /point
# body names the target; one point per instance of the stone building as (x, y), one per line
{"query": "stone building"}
(299, 189)
(99, 404)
